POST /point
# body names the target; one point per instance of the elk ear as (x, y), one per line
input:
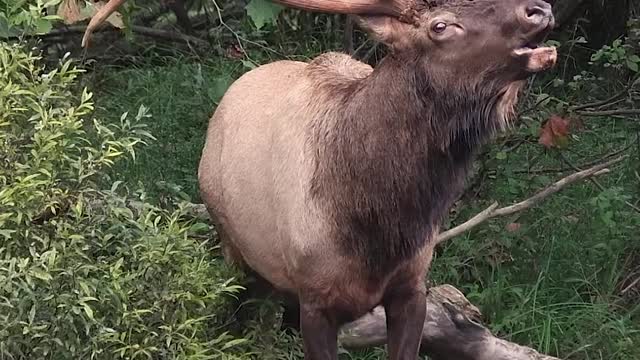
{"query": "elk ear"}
(388, 30)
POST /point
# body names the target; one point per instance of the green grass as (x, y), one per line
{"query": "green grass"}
(181, 97)
(555, 284)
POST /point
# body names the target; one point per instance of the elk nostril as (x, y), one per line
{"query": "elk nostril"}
(534, 12)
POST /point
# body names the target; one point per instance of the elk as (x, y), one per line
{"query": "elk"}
(329, 178)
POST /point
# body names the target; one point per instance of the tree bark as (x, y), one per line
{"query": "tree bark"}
(451, 331)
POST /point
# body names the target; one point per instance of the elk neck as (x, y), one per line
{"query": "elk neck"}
(392, 156)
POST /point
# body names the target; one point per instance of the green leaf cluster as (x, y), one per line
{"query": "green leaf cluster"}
(90, 273)
(263, 12)
(617, 55)
(18, 17)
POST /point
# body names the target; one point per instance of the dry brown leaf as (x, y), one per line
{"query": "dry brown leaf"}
(70, 12)
(554, 132)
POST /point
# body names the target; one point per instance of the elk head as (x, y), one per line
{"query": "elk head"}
(475, 53)
(473, 39)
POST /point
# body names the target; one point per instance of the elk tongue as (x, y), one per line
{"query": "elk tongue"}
(537, 59)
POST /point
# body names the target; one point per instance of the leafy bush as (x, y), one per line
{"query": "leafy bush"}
(26, 16)
(88, 273)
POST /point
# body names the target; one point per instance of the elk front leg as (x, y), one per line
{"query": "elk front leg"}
(406, 312)
(319, 333)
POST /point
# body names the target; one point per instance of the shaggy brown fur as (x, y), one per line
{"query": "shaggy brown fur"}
(394, 156)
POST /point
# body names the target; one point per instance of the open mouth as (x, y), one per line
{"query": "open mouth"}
(536, 58)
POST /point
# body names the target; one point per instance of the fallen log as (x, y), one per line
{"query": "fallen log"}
(452, 331)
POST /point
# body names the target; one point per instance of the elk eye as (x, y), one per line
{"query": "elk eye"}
(439, 27)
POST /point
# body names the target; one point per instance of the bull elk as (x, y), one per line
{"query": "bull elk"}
(329, 178)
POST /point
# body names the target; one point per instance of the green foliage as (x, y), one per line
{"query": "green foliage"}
(182, 96)
(26, 17)
(263, 12)
(88, 273)
(617, 55)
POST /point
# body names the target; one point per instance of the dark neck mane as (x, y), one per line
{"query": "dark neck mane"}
(393, 157)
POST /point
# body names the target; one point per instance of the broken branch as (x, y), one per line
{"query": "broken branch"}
(494, 211)
(451, 331)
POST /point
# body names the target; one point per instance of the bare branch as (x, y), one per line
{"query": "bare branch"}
(610, 112)
(608, 101)
(493, 211)
(451, 331)
(142, 30)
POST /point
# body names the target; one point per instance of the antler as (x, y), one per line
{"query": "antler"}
(99, 18)
(402, 9)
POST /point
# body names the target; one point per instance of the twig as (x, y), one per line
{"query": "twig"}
(544, 98)
(610, 112)
(608, 101)
(587, 164)
(494, 211)
(142, 30)
(239, 38)
(370, 53)
(596, 182)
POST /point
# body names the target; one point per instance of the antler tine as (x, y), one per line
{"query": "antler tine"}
(99, 18)
(402, 9)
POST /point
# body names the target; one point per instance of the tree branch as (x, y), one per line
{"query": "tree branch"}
(610, 112)
(156, 33)
(451, 331)
(493, 210)
(608, 101)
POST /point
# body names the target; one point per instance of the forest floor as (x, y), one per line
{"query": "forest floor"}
(562, 277)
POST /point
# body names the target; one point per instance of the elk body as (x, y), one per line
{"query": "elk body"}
(329, 178)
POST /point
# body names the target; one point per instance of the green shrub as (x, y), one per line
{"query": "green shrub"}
(87, 273)
(19, 17)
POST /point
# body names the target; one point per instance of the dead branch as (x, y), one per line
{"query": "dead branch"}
(608, 101)
(578, 167)
(142, 30)
(493, 210)
(451, 331)
(595, 182)
(610, 112)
